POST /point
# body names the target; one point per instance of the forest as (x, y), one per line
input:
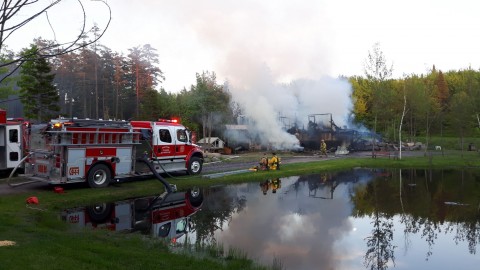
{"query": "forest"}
(437, 103)
(96, 82)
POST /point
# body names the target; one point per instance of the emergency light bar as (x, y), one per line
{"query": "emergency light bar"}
(59, 125)
(168, 120)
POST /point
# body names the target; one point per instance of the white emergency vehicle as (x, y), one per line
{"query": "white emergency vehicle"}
(12, 141)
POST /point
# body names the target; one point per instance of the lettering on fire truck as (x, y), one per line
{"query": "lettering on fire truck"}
(165, 150)
(74, 171)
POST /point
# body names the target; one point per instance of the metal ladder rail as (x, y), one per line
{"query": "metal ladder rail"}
(97, 137)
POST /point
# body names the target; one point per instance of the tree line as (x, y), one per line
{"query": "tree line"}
(97, 82)
(437, 103)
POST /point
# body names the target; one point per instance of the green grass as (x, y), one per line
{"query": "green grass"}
(43, 241)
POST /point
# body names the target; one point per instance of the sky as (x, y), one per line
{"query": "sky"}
(302, 39)
(281, 59)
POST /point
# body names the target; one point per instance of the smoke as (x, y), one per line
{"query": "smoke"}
(275, 57)
(266, 103)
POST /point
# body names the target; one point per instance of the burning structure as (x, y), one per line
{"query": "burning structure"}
(245, 136)
(319, 127)
(322, 127)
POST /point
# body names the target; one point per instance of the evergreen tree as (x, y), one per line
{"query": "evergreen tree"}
(6, 84)
(37, 92)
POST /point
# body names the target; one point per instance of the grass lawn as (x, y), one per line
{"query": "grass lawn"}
(35, 238)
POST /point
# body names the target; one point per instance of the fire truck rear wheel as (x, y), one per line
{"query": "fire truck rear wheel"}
(100, 212)
(99, 176)
(195, 166)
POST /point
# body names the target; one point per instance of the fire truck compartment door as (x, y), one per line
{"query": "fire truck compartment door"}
(123, 216)
(76, 163)
(125, 164)
(13, 146)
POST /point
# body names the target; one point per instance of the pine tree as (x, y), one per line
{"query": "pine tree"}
(6, 84)
(38, 94)
(443, 94)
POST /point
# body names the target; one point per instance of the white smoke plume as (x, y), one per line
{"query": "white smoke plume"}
(264, 101)
(275, 56)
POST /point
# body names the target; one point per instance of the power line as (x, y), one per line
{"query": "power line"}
(8, 100)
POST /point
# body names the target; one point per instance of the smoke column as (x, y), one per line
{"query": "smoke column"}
(264, 100)
(275, 57)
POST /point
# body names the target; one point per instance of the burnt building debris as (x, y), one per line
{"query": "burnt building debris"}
(246, 136)
(249, 134)
(322, 127)
(237, 137)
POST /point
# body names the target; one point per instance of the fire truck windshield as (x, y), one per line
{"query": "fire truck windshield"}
(182, 135)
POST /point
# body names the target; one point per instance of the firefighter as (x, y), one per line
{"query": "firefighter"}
(276, 184)
(323, 148)
(264, 162)
(274, 162)
(264, 186)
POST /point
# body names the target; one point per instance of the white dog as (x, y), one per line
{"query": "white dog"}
(438, 147)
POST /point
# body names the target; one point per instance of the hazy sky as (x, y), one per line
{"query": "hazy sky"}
(302, 39)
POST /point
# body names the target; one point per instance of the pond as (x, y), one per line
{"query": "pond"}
(355, 219)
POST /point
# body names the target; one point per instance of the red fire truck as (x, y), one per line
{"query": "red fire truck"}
(12, 141)
(99, 151)
(164, 216)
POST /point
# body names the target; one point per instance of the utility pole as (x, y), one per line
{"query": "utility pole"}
(137, 86)
(95, 29)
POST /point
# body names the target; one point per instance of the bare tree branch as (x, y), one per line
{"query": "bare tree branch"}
(10, 10)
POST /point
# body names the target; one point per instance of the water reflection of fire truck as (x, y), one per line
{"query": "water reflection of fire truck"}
(98, 151)
(165, 216)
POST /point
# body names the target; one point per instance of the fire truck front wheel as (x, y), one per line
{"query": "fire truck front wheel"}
(195, 196)
(99, 176)
(195, 166)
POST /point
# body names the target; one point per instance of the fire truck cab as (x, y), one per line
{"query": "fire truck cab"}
(99, 151)
(169, 146)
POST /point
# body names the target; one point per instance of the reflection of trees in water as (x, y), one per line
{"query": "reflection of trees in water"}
(462, 231)
(218, 208)
(467, 232)
(428, 203)
(380, 249)
(449, 209)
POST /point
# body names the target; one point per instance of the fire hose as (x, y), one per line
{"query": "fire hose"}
(13, 172)
(157, 160)
(167, 185)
